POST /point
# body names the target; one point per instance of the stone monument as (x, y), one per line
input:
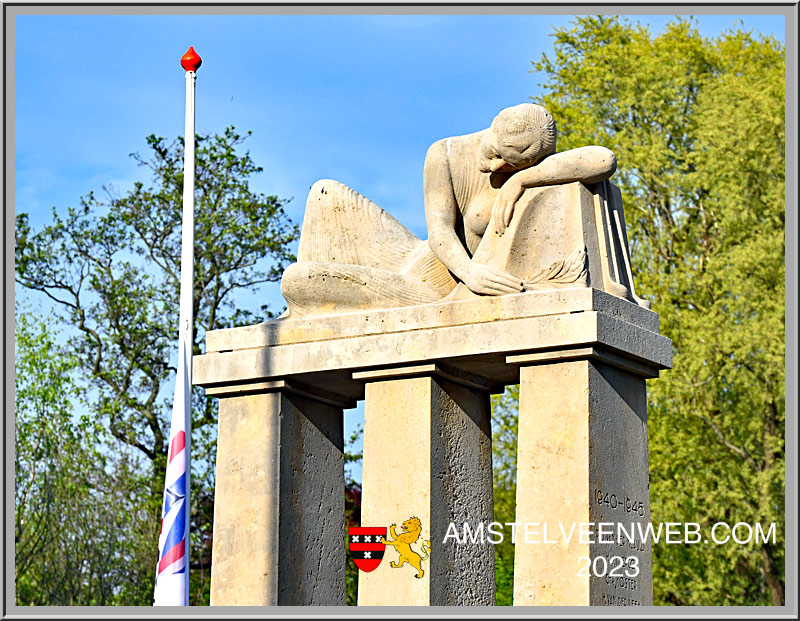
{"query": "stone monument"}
(525, 278)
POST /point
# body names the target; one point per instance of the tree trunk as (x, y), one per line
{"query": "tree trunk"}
(774, 582)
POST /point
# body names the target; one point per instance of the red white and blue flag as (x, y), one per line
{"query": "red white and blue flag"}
(172, 578)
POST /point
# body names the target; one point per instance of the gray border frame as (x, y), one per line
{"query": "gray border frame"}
(790, 13)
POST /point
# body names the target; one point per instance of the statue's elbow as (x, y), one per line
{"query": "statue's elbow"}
(608, 162)
(592, 164)
(612, 165)
(601, 165)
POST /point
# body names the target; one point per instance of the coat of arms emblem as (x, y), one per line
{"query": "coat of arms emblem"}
(366, 547)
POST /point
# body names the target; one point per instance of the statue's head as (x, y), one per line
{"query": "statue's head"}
(519, 137)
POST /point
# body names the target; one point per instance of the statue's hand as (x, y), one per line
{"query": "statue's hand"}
(503, 208)
(488, 280)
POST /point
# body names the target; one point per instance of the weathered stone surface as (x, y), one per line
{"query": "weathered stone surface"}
(504, 211)
(479, 309)
(279, 505)
(427, 454)
(246, 503)
(472, 335)
(562, 236)
(355, 255)
(582, 460)
(598, 349)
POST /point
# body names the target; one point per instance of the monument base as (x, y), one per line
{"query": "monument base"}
(581, 356)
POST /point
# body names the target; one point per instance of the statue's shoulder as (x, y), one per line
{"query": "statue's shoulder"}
(447, 147)
(439, 145)
(437, 154)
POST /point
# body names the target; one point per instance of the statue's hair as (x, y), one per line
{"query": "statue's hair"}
(526, 124)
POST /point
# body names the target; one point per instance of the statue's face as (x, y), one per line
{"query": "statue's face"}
(508, 153)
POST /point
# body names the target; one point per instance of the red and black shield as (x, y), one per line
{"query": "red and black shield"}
(366, 547)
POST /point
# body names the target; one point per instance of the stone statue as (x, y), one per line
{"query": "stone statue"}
(353, 255)
(525, 280)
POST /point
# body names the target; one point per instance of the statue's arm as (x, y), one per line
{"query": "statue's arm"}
(585, 164)
(441, 212)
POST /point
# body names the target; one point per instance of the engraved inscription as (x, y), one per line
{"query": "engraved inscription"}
(625, 516)
(624, 503)
(609, 599)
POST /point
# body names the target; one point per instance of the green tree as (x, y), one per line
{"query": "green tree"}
(112, 267)
(71, 498)
(504, 474)
(697, 125)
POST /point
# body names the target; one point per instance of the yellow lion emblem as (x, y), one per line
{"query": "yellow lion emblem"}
(412, 528)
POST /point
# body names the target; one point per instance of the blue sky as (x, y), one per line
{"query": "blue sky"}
(354, 98)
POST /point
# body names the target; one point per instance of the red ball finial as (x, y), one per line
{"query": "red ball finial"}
(191, 60)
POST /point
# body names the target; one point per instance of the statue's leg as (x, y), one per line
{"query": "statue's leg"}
(342, 226)
(315, 288)
(354, 255)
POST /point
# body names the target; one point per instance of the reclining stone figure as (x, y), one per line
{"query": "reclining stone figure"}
(495, 210)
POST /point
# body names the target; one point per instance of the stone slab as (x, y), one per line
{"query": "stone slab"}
(280, 385)
(477, 344)
(439, 369)
(584, 353)
(451, 313)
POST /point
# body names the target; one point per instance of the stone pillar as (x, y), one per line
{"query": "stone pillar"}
(279, 504)
(582, 459)
(427, 453)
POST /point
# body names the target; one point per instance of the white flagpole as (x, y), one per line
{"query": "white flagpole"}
(187, 290)
(172, 575)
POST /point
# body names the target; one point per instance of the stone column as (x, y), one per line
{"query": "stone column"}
(279, 505)
(427, 453)
(582, 460)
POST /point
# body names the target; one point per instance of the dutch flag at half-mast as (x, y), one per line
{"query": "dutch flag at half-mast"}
(171, 575)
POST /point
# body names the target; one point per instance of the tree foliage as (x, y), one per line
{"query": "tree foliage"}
(112, 267)
(697, 125)
(71, 499)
